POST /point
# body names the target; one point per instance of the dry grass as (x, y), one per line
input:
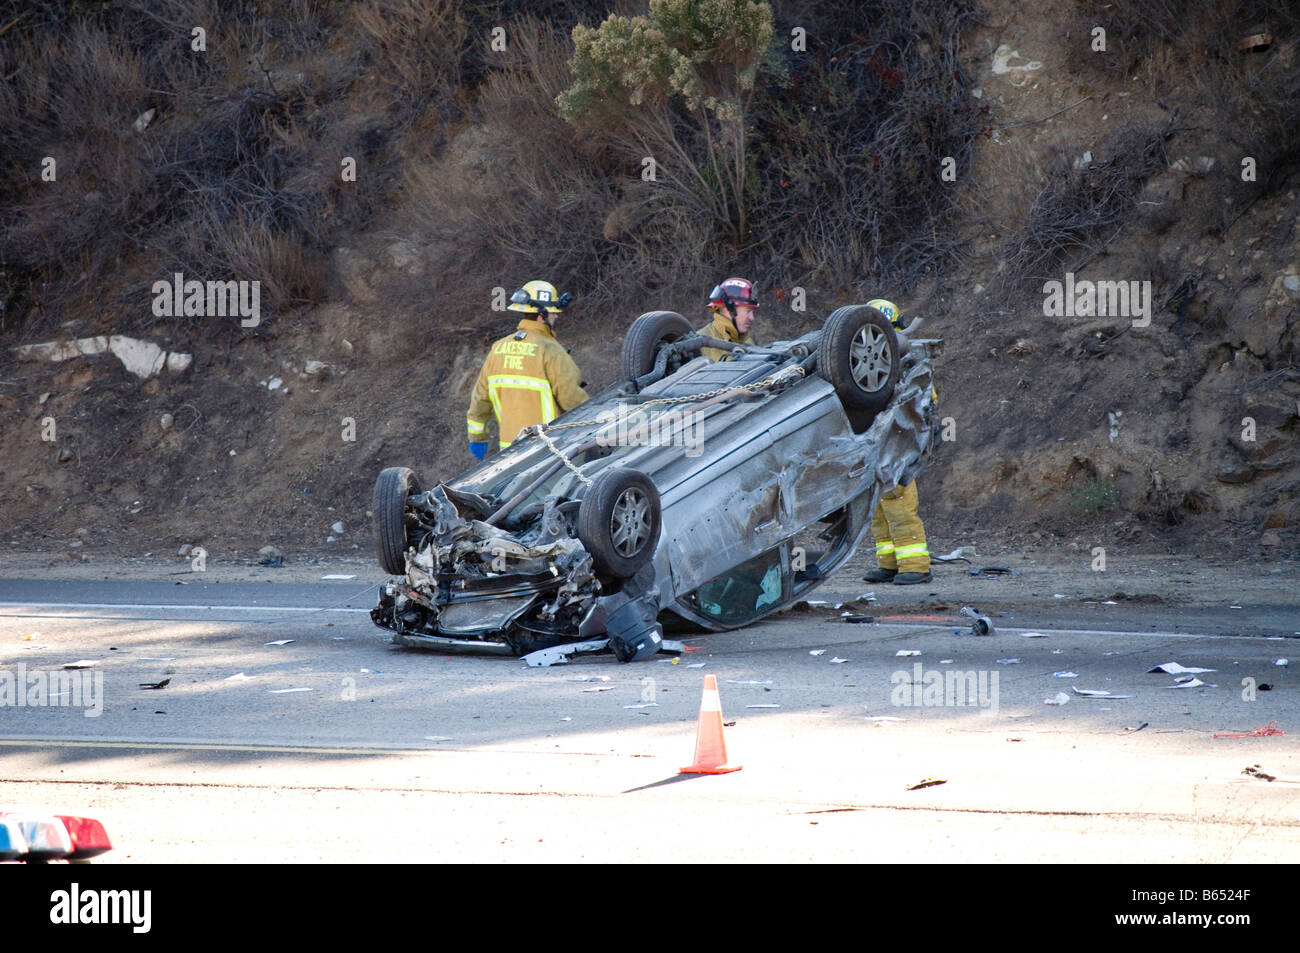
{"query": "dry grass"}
(1081, 209)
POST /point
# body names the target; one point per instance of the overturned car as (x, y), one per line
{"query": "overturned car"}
(712, 492)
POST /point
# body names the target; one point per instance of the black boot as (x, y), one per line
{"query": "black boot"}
(911, 578)
(880, 575)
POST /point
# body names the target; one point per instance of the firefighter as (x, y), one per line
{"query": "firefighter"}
(528, 378)
(732, 305)
(901, 551)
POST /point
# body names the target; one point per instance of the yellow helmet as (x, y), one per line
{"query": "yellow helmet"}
(538, 296)
(888, 309)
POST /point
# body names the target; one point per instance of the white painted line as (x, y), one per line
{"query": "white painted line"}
(1002, 629)
(138, 605)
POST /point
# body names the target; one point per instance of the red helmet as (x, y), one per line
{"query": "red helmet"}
(732, 292)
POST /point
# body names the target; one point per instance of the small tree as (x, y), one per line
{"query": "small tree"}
(704, 55)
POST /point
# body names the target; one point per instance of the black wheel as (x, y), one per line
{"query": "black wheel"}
(391, 490)
(858, 354)
(618, 521)
(647, 334)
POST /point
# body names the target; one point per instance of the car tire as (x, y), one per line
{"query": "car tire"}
(646, 336)
(391, 490)
(618, 521)
(858, 355)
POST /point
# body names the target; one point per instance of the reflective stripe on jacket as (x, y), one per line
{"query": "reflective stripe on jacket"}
(528, 378)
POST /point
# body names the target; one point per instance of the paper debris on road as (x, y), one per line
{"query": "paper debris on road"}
(1173, 668)
(1145, 724)
(1096, 693)
(817, 652)
(763, 706)
(161, 658)
(907, 652)
(437, 737)
(696, 664)
(957, 555)
(945, 661)
(286, 691)
(644, 705)
(81, 663)
(280, 642)
(840, 661)
(749, 682)
(339, 575)
(238, 677)
(1034, 635)
(589, 678)
(1190, 682)
(1065, 675)
(1060, 698)
(1280, 661)
(1008, 661)
(600, 688)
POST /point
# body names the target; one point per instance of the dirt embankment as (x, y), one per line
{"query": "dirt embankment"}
(1065, 430)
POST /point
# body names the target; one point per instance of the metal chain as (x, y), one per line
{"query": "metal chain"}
(755, 386)
(541, 429)
(556, 450)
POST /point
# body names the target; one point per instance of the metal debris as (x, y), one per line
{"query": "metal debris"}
(927, 783)
(559, 654)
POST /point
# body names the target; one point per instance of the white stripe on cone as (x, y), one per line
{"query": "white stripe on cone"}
(711, 701)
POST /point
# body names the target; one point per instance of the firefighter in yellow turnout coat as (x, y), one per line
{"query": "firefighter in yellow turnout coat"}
(528, 378)
(901, 550)
(732, 304)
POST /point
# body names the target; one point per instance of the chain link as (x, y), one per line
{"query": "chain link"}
(541, 429)
(541, 432)
(775, 379)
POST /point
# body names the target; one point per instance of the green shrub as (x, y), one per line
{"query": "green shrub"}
(1094, 496)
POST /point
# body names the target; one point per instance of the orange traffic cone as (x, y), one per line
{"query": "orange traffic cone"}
(710, 748)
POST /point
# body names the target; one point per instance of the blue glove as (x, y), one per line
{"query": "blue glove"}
(478, 449)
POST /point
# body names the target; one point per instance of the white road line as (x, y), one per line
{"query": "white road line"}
(137, 605)
(194, 745)
(1039, 628)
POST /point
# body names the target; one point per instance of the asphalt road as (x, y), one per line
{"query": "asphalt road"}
(573, 762)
